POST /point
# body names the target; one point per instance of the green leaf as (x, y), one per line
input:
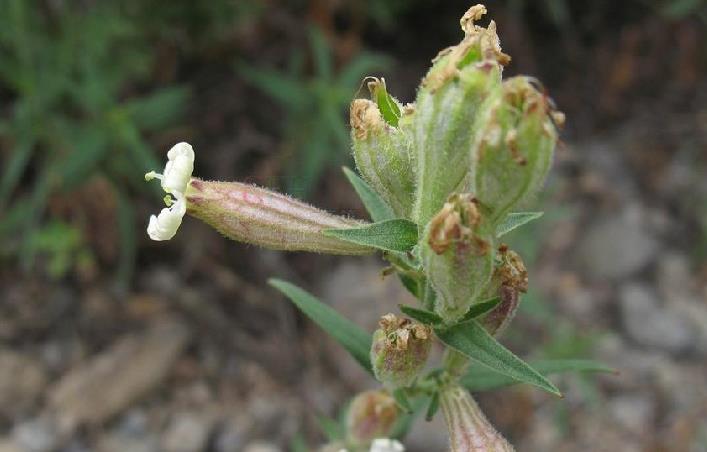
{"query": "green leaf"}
(352, 337)
(472, 340)
(484, 379)
(421, 315)
(432, 407)
(331, 428)
(516, 219)
(389, 235)
(402, 400)
(481, 308)
(375, 205)
(405, 421)
(388, 107)
(411, 284)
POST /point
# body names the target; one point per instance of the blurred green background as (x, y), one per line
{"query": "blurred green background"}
(93, 94)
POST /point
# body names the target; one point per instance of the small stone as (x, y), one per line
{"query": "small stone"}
(632, 411)
(21, 382)
(618, 246)
(112, 381)
(35, 435)
(186, 432)
(261, 446)
(650, 324)
(118, 442)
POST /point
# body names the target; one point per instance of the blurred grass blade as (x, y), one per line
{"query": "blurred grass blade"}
(421, 315)
(159, 109)
(514, 220)
(472, 340)
(375, 205)
(390, 235)
(484, 379)
(352, 337)
(14, 168)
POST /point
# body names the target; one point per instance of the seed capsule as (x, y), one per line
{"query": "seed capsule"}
(458, 255)
(371, 415)
(399, 351)
(382, 147)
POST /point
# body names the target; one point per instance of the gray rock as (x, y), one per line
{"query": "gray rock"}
(618, 246)
(118, 442)
(186, 432)
(650, 324)
(21, 381)
(112, 381)
(35, 435)
(261, 446)
(632, 411)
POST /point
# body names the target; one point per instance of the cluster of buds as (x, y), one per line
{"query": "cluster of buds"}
(399, 350)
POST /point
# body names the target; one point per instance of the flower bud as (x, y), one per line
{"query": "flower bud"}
(509, 279)
(272, 220)
(469, 430)
(399, 351)
(513, 147)
(371, 415)
(382, 150)
(457, 254)
(449, 99)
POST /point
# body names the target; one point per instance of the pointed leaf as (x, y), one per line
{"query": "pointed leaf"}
(421, 315)
(374, 204)
(515, 220)
(411, 284)
(432, 407)
(352, 337)
(481, 308)
(472, 340)
(484, 379)
(389, 235)
(388, 107)
(402, 400)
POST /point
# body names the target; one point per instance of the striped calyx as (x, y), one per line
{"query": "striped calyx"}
(469, 430)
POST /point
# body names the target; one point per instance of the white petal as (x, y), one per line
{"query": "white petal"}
(386, 445)
(179, 167)
(165, 225)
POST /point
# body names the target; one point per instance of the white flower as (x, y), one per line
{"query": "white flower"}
(165, 225)
(386, 445)
(174, 181)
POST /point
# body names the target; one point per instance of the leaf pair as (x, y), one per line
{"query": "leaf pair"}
(501, 366)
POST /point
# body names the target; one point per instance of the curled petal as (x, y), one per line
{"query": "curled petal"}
(165, 225)
(180, 165)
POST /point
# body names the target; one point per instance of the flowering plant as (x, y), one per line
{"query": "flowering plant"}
(441, 178)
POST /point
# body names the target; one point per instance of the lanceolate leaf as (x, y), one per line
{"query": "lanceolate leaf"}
(515, 220)
(472, 340)
(483, 379)
(353, 338)
(390, 235)
(481, 308)
(376, 207)
(421, 315)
